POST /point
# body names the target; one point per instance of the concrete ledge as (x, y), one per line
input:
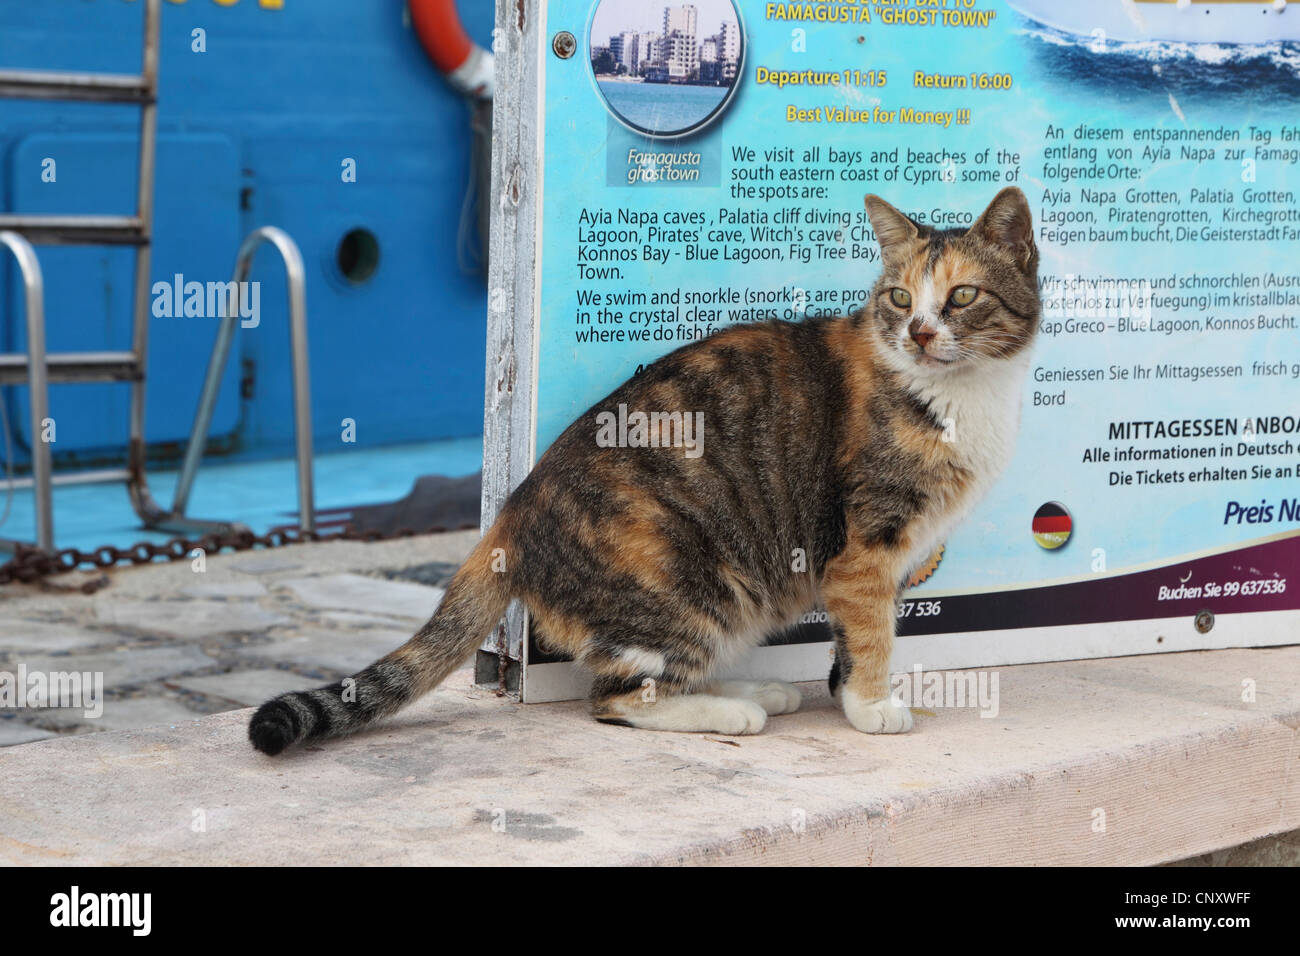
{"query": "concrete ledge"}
(1162, 745)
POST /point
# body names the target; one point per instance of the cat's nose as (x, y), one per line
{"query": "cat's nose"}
(921, 333)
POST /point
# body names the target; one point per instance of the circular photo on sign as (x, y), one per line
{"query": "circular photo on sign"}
(1052, 525)
(666, 69)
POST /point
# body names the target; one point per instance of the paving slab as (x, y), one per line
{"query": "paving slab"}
(226, 588)
(14, 732)
(266, 564)
(187, 619)
(43, 637)
(162, 622)
(358, 593)
(136, 666)
(247, 687)
(123, 713)
(347, 651)
(1128, 761)
(350, 620)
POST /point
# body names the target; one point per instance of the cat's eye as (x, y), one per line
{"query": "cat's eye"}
(901, 298)
(963, 295)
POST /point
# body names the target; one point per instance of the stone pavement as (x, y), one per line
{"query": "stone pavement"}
(173, 643)
(1135, 760)
(1128, 761)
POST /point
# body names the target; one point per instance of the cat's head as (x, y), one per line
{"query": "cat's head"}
(955, 298)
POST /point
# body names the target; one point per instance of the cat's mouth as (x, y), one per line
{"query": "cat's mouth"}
(932, 361)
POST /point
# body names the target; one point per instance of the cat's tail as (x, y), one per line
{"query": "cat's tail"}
(474, 602)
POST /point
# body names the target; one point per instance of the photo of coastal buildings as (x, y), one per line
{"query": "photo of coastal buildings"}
(666, 70)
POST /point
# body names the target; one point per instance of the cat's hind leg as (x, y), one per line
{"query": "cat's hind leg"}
(652, 705)
(774, 696)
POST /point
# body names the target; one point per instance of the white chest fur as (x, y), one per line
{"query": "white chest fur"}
(980, 408)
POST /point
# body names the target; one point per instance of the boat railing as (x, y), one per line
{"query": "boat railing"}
(297, 286)
(38, 383)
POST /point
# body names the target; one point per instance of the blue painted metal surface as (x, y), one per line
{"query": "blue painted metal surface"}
(259, 493)
(255, 130)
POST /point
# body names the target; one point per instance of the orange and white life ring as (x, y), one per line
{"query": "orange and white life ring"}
(467, 66)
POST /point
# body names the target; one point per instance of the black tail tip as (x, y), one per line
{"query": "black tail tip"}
(273, 728)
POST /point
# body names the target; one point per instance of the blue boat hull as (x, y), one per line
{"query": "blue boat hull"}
(259, 128)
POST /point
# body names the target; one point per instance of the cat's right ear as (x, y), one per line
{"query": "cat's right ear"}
(892, 228)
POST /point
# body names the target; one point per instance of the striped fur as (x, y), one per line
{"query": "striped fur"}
(474, 602)
(837, 454)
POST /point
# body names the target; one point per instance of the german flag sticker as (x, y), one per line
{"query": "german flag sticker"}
(1052, 525)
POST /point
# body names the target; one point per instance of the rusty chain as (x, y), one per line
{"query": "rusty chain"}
(30, 564)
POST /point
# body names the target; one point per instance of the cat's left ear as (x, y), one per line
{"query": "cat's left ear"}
(1008, 223)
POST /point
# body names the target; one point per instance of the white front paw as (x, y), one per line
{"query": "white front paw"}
(882, 716)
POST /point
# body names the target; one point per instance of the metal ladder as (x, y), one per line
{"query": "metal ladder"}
(37, 369)
(296, 280)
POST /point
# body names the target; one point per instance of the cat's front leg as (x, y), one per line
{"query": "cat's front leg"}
(861, 594)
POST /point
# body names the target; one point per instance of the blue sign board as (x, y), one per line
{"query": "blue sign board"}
(705, 163)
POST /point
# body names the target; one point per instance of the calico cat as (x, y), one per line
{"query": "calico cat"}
(837, 454)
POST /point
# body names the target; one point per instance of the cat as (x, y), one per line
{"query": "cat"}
(856, 442)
